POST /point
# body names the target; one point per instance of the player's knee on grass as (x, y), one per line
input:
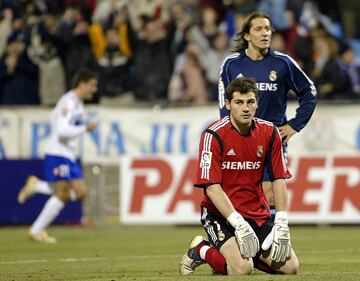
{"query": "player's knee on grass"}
(236, 265)
(292, 265)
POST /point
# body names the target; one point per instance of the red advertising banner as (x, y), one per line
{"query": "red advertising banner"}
(158, 190)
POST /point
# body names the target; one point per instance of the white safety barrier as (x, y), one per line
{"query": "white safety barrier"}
(134, 131)
(324, 158)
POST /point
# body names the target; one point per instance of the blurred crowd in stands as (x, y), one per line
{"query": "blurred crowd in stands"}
(160, 51)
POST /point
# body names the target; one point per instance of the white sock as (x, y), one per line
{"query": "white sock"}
(48, 214)
(44, 187)
(203, 251)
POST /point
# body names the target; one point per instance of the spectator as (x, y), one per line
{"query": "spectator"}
(104, 9)
(153, 60)
(277, 11)
(188, 83)
(193, 8)
(5, 28)
(340, 78)
(237, 11)
(212, 55)
(209, 25)
(18, 75)
(51, 71)
(74, 43)
(278, 42)
(115, 67)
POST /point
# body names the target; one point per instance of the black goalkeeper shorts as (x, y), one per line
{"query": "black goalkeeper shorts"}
(219, 229)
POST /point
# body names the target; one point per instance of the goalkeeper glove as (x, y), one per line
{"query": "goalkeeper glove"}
(279, 239)
(245, 235)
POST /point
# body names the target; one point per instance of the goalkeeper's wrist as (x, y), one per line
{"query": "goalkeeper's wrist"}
(235, 219)
(281, 217)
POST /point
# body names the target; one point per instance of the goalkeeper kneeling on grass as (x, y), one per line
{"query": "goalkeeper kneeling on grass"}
(234, 211)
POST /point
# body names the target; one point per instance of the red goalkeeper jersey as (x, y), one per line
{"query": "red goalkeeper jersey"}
(237, 162)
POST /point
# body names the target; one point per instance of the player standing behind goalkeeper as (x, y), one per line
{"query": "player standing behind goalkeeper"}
(234, 211)
(62, 169)
(275, 73)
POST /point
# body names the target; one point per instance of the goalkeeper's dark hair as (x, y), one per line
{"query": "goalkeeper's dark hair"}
(84, 75)
(239, 42)
(243, 85)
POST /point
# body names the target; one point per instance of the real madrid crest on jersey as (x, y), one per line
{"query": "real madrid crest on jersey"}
(273, 75)
(260, 151)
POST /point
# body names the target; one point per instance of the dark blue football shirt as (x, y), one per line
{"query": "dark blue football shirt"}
(275, 75)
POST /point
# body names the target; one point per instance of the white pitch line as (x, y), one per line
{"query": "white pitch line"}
(24, 261)
(330, 251)
(150, 256)
(70, 260)
(81, 259)
(334, 273)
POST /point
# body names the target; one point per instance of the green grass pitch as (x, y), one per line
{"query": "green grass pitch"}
(153, 252)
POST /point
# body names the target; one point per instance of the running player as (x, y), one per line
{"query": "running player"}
(62, 169)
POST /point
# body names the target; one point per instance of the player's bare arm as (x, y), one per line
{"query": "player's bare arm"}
(220, 199)
(280, 195)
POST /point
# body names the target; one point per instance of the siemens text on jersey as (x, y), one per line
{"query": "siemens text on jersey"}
(244, 165)
(267, 86)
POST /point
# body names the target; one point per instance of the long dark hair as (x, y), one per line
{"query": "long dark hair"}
(239, 42)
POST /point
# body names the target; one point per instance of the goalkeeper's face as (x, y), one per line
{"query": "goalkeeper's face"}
(242, 107)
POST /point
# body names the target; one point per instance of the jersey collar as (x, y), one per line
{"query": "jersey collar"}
(75, 96)
(252, 128)
(244, 53)
(271, 52)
